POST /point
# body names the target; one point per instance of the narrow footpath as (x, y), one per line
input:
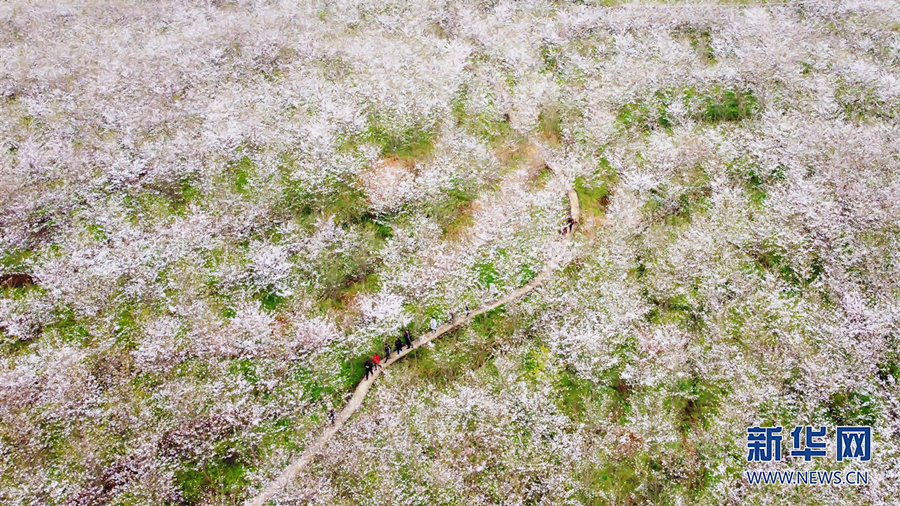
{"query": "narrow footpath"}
(317, 445)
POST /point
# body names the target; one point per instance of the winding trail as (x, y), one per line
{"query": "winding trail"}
(317, 445)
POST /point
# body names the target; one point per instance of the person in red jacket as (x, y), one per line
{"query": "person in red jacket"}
(377, 360)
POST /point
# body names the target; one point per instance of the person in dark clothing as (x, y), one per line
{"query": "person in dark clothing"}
(398, 345)
(331, 416)
(369, 367)
(387, 351)
(407, 338)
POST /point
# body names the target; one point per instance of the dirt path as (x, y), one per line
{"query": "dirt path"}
(318, 445)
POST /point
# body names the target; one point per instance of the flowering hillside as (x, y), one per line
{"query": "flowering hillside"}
(212, 212)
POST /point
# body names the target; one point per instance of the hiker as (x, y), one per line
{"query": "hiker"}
(570, 223)
(467, 310)
(387, 351)
(331, 416)
(368, 367)
(398, 345)
(433, 325)
(407, 337)
(377, 360)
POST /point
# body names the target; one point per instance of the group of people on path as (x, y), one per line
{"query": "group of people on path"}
(372, 364)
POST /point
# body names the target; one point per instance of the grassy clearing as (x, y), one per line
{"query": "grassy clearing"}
(465, 350)
(414, 141)
(714, 105)
(728, 105)
(593, 193)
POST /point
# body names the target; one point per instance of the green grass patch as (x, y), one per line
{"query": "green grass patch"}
(15, 260)
(551, 55)
(11, 346)
(860, 103)
(649, 113)
(695, 401)
(577, 398)
(773, 258)
(464, 350)
(411, 142)
(486, 273)
(853, 407)
(715, 105)
(676, 309)
(244, 368)
(451, 209)
(240, 171)
(353, 371)
(223, 478)
(728, 105)
(593, 195)
(70, 328)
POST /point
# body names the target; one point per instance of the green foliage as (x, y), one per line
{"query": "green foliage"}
(675, 309)
(550, 121)
(593, 195)
(755, 180)
(240, 171)
(853, 407)
(458, 103)
(860, 103)
(728, 105)
(338, 197)
(889, 364)
(177, 195)
(14, 259)
(577, 398)
(70, 328)
(551, 55)
(527, 272)
(244, 368)
(716, 105)
(534, 362)
(11, 346)
(485, 124)
(461, 351)
(492, 323)
(126, 326)
(269, 299)
(353, 371)
(487, 274)
(695, 400)
(769, 256)
(412, 142)
(222, 477)
(450, 211)
(648, 114)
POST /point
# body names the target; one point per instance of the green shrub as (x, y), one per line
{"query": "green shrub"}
(412, 142)
(223, 477)
(728, 105)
